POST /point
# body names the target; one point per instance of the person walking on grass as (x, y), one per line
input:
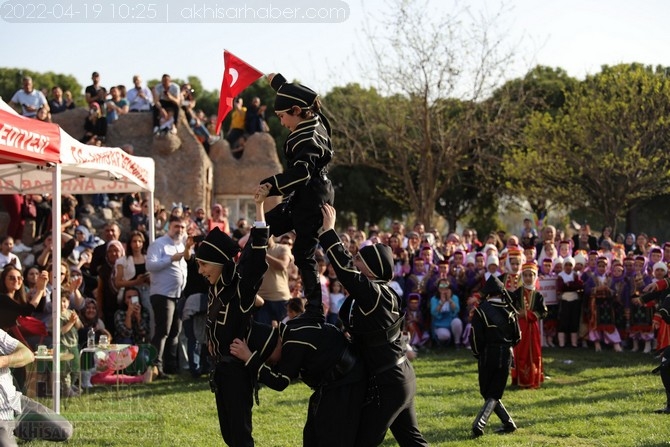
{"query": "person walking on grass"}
(495, 330)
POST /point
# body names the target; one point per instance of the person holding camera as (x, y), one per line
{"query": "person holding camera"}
(131, 321)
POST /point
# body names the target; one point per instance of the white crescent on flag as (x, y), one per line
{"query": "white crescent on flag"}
(233, 73)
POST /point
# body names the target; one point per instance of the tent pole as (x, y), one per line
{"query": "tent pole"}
(56, 282)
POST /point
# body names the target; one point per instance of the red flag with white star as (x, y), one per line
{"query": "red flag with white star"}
(237, 76)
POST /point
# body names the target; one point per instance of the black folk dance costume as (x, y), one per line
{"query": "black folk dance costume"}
(230, 302)
(320, 355)
(304, 185)
(662, 297)
(371, 314)
(495, 330)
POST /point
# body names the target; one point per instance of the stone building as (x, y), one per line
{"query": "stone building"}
(184, 172)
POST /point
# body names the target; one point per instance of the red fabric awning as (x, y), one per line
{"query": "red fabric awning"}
(28, 140)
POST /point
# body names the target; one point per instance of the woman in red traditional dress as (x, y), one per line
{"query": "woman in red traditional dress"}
(528, 371)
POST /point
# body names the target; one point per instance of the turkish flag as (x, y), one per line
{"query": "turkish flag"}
(237, 76)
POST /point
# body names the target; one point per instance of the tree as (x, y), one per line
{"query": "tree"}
(418, 126)
(542, 90)
(607, 148)
(10, 82)
(363, 191)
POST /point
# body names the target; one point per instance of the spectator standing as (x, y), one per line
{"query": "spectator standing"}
(29, 99)
(254, 120)
(58, 103)
(93, 91)
(569, 289)
(237, 127)
(275, 290)
(165, 261)
(584, 240)
(111, 232)
(140, 98)
(220, 219)
(528, 369)
(69, 339)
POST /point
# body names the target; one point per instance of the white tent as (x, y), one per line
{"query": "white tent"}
(38, 157)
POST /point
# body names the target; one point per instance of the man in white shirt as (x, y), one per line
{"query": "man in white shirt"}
(139, 98)
(166, 263)
(29, 99)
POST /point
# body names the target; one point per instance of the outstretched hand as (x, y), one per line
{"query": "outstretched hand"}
(328, 212)
(270, 76)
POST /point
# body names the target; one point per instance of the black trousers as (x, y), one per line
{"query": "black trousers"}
(234, 400)
(568, 316)
(390, 404)
(334, 413)
(306, 223)
(493, 367)
(166, 335)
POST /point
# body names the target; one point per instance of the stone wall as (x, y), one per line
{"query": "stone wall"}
(184, 172)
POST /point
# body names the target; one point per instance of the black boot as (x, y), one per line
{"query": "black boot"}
(312, 289)
(483, 417)
(508, 424)
(665, 410)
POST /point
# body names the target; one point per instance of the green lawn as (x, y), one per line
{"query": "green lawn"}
(589, 399)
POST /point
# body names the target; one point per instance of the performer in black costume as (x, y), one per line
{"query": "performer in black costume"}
(231, 298)
(495, 330)
(304, 184)
(320, 355)
(371, 315)
(663, 298)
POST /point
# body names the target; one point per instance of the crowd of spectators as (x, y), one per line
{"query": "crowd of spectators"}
(165, 100)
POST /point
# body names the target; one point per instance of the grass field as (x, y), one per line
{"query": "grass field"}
(589, 399)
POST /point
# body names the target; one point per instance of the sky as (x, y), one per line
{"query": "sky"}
(576, 35)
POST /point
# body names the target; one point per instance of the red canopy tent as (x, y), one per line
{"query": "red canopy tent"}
(39, 157)
(28, 140)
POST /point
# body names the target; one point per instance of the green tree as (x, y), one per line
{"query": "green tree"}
(541, 90)
(419, 126)
(363, 192)
(11, 81)
(607, 148)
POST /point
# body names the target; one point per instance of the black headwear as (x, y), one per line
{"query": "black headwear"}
(289, 95)
(217, 248)
(378, 258)
(492, 287)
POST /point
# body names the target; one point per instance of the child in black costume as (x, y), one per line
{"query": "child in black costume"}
(304, 184)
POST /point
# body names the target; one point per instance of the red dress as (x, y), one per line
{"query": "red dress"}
(528, 371)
